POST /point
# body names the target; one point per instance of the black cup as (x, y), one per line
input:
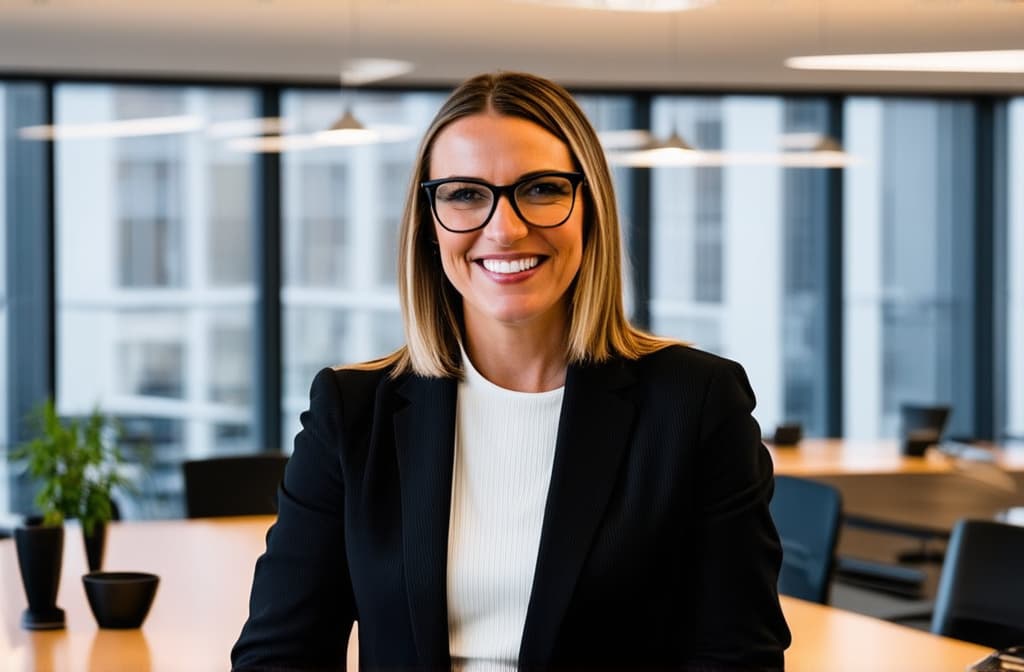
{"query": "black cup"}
(120, 599)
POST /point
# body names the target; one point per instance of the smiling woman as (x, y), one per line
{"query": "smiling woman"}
(531, 481)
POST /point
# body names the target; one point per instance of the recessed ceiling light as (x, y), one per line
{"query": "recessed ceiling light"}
(1004, 61)
(237, 128)
(668, 157)
(359, 71)
(122, 128)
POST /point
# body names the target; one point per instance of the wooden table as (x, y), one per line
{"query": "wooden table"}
(851, 457)
(206, 570)
(915, 495)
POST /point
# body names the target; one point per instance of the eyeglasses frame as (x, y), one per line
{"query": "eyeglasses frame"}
(575, 178)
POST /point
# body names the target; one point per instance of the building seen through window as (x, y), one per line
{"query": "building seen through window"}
(4, 431)
(341, 212)
(155, 292)
(908, 262)
(737, 248)
(24, 277)
(1011, 288)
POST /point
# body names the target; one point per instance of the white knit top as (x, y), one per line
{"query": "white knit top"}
(504, 449)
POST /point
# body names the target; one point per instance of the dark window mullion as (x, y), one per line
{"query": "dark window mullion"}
(833, 370)
(990, 165)
(267, 277)
(641, 218)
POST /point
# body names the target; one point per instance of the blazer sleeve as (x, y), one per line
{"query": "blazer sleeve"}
(739, 623)
(301, 608)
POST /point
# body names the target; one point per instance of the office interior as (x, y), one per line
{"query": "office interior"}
(189, 273)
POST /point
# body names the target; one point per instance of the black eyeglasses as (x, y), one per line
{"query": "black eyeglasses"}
(464, 204)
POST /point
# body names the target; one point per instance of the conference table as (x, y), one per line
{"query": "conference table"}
(924, 495)
(205, 569)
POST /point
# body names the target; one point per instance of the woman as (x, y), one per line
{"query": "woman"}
(530, 482)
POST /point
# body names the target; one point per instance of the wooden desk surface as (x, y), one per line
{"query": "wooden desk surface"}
(206, 570)
(850, 457)
(928, 493)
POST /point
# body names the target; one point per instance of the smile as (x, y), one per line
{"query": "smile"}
(510, 266)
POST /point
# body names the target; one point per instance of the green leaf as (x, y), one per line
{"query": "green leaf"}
(77, 464)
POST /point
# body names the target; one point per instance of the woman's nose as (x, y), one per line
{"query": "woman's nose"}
(505, 226)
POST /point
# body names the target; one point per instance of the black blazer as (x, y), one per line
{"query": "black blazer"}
(657, 548)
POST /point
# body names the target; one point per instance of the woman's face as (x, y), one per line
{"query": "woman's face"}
(508, 272)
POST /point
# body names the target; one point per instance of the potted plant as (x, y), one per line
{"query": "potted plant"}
(77, 464)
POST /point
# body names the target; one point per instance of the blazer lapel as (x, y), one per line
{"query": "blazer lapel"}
(425, 445)
(593, 432)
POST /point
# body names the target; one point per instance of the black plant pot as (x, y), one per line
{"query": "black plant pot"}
(40, 555)
(95, 544)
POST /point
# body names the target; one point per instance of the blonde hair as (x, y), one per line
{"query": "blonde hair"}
(432, 308)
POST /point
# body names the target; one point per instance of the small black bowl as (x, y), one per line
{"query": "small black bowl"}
(120, 599)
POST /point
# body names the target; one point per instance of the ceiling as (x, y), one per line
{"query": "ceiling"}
(730, 45)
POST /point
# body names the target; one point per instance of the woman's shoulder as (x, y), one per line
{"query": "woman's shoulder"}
(682, 370)
(348, 383)
(363, 375)
(680, 358)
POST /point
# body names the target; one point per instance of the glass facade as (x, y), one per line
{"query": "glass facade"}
(5, 500)
(738, 248)
(612, 115)
(155, 208)
(909, 262)
(24, 277)
(1013, 291)
(341, 211)
(155, 289)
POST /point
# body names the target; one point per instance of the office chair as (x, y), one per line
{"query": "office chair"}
(923, 419)
(981, 595)
(237, 485)
(807, 515)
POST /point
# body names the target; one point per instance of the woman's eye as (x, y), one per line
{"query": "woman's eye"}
(547, 188)
(462, 194)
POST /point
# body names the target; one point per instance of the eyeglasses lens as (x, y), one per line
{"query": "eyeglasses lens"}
(546, 200)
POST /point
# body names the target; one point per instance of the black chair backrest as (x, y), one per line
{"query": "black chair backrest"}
(788, 434)
(920, 418)
(238, 485)
(981, 590)
(807, 515)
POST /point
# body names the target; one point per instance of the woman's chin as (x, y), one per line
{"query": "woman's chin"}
(515, 314)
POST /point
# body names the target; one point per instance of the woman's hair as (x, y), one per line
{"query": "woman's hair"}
(432, 308)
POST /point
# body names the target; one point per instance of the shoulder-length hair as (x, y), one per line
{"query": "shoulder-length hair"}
(432, 308)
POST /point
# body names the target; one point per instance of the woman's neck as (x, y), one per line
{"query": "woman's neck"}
(518, 358)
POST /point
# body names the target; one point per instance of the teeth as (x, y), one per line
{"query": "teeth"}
(513, 266)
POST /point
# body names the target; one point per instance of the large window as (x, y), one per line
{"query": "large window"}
(4, 431)
(341, 211)
(24, 276)
(738, 247)
(154, 269)
(1013, 412)
(155, 211)
(908, 260)
(612, 116)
